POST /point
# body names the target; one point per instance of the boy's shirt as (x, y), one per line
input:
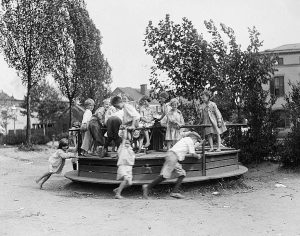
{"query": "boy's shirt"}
(112, 111)
(129, 113)
(99, 114)
(183, 147)
(87, 115)
(126, 156)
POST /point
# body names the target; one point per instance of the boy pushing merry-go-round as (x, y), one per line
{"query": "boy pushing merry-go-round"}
(185, 147)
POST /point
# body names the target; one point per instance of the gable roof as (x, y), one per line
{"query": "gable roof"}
(286, 48)
(133, 94)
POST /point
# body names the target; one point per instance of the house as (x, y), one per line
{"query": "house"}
(135, 94)
(11, 113)
(288, 70)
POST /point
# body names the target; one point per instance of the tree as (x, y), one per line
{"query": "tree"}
(26, 32)
(6, 115)
(46, 102)
(80, 69)
(236, 76)
(182, 54)
(97, 76)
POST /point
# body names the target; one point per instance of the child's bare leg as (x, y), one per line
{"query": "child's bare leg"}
(148, 187)
(45, 179)
(210, 140)
(147, 138)
(175, 193)
(119, 190)
(141, 141)
(218, 143)
(169, 144)
(43, 176)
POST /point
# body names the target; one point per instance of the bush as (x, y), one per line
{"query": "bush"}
(18, 139)
(289, 150)
(40, 139)
(15, 139)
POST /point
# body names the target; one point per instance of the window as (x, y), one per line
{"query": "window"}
(282, 119)
(277, 86)
(280, 61)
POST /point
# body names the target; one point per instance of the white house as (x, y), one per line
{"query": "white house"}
(288, 70)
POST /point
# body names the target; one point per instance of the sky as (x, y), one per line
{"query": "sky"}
(122, 25)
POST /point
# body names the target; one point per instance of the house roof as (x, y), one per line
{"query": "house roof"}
(133, 94)
(286, 48)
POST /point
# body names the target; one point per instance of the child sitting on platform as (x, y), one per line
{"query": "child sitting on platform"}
(125, 163)
(185, 147)
(173, 120)
(145, 121)
(210, 115)
(57, 160)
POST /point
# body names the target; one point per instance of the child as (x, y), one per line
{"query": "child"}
(57, 160)
(210, 115)
(146, 120)
(126, 159)
(185, 147)
(87, 138)
(173, 120)
(95, 125)
(129, 118)
(165, 107)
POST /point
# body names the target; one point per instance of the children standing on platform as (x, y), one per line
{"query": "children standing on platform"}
(210, 115)
(125, 163)
(87, 115)
(173, 120)
(57, 160)
(185, 147)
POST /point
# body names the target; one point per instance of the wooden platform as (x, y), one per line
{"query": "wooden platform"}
(212, 165)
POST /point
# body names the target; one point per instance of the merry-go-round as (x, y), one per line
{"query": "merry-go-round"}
(148, 164)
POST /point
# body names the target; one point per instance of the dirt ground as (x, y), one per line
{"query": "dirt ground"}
(266, 201)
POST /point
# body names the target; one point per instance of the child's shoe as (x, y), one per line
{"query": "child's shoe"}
(177, 195)
(118, 196)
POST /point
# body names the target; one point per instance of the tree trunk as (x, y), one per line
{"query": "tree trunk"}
(28, 125)
(70, 113)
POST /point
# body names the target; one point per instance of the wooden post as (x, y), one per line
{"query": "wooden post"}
(203, 159)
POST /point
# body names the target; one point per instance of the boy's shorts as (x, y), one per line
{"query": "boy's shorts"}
(172, 165)
(125, 172)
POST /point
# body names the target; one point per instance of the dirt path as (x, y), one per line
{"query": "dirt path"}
(249, 206)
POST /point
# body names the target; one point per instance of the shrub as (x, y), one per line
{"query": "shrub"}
(40, 139)
(289, 150)
(18, 139)
(15, 139)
